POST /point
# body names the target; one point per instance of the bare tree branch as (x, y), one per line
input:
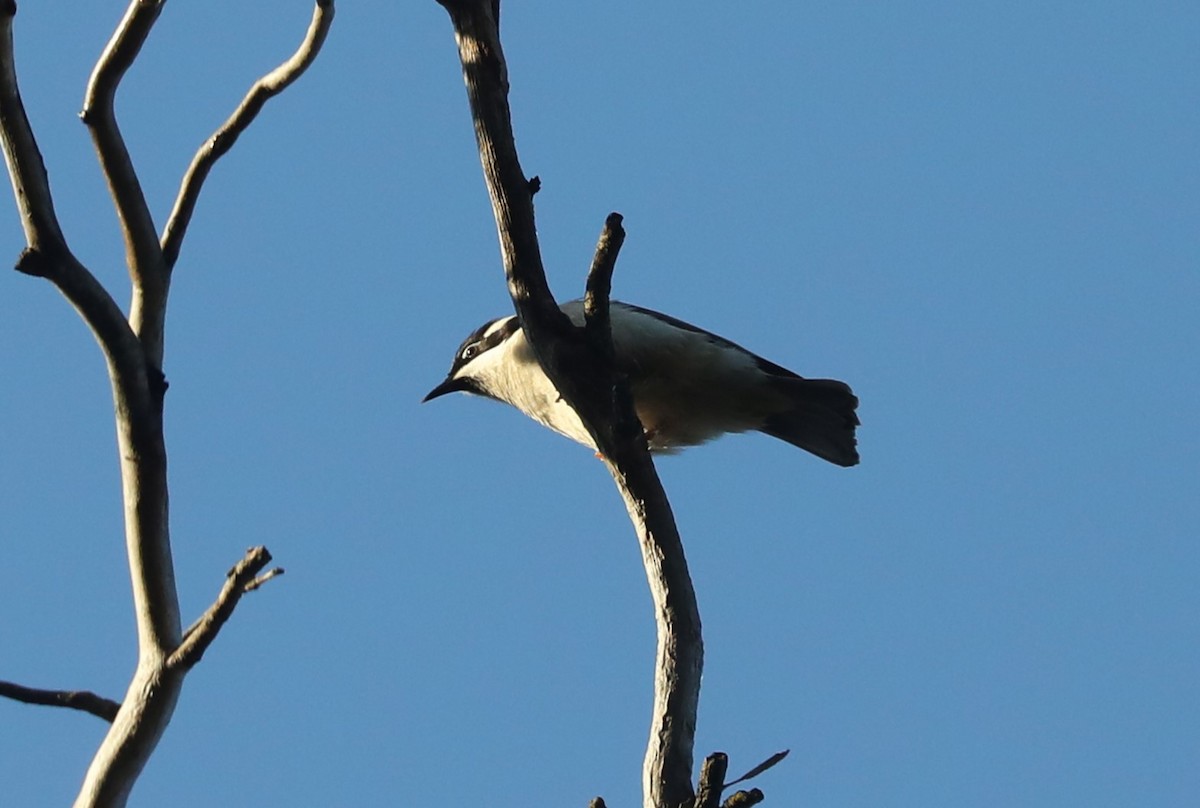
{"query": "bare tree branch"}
(47, 254)
(143, 255)
(262, 579)
(743, 799)
(83, 700)
(133, 349)
(238, 581)
(712, 779)
(599, 287)
(139, 413)
(223, 139)
(25, 165)
(586, 381)
(486, 76)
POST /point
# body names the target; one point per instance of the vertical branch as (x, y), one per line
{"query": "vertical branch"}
(486, 76)
(143, 255)
(152, 694)
(581, 369)
(31, 187)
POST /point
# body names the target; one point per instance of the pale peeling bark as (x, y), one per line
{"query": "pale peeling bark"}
(133, 349)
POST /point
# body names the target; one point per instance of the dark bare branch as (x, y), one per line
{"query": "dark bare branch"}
(142, 252)
(241, 579)
(599, 287)
(712, 779)
(588, 383)
(30, 182)
(486, 77)
(82, 700)
(223, 139)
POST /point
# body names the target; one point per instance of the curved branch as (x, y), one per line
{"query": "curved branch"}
(47, 254)
(142, 253)
(133, 349)
(83, 700)
(152, 694)
(223, 139)
(25, 165)
(582, 371)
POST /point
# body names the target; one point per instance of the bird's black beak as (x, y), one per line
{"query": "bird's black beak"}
(451, 385)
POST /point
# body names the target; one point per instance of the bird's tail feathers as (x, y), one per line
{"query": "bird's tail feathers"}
(821, 420)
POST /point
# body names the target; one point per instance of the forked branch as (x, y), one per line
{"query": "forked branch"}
(243, 578)
(227, 134)
(581, 368)
(142, 253)
(133, 348)
(47, 254)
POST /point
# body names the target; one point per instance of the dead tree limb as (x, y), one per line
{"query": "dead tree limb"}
(243, 578)
(83, 700)
(587, 380)
(143, 256)
(712, 780)
(227, 134)
(133, 349)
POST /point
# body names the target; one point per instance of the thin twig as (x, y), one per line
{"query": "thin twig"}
(262, 579)
(82, 700)
(760, 768)
(599, 285)
(227, 134)
(241, 579)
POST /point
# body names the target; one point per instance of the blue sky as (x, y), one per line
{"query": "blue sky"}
(983, 216)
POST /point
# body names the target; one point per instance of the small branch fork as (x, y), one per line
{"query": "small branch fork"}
(133, 349)
(243, 578)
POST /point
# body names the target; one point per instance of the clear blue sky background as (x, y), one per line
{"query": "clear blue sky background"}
(982, 215)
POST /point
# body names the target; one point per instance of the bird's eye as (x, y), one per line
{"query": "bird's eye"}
(470, 351)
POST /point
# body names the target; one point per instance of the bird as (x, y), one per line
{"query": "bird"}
(688, 385)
